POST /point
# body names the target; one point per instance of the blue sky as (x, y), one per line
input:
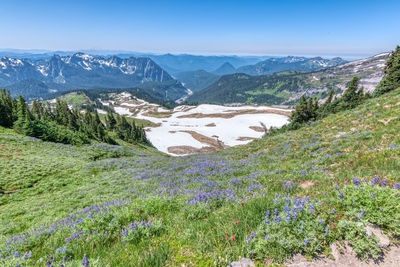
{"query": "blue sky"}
(321, 27)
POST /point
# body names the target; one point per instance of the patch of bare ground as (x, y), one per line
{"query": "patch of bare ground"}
(245, 138)
(389, 106)
(346, 257)
(387, 121)
(213, 142)
(159, 115)
(211, 125)
(187, 150)
(257, 129)
(306, 184)
(235, 113)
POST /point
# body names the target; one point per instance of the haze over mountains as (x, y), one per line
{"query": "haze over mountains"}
(215, 79)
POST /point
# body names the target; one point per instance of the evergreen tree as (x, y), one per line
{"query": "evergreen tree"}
(21, 114)
(110, 121)
(305, 111)
(352, 97)
(391, 80)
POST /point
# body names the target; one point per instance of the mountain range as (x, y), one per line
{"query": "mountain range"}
(270, 81)
(82, 71)
(272, 65)
(288, 86)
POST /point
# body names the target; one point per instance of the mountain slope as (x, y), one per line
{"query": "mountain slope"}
(272, 65)
(85, 71)
(287, 87)
(335, 177)
(196, 80)
(182, 63)
(224, 69)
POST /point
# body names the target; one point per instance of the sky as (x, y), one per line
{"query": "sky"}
(253, 27)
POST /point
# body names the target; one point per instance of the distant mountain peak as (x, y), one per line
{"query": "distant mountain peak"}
(225, 68)
(84, 71)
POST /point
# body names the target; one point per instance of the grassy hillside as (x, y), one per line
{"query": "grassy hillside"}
(287, 87)
(289, 193)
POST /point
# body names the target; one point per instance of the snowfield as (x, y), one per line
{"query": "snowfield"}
(192, 128)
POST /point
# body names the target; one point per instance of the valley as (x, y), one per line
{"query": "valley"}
(194, 129)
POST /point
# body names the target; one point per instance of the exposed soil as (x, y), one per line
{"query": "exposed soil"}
(157, 114)
(245, 138)
(345, 256)
(386, 122)
(211, 125)
(235, 113)
(306, 184)
(186, 150)
(257, 129)
(206, 140)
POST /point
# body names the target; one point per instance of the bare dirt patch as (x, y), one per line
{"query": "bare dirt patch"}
(245, 138)
(345, 256)
(159, 115)
(386, 122)
(211, 125)
(186, 150)
(306, 184)
(235, 113)
(215, 143)
(257, 129)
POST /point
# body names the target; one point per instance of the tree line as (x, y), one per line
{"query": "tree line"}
(63, 124)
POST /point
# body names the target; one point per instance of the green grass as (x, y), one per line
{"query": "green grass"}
(202, 208)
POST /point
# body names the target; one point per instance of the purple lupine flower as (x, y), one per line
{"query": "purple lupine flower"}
(356, 181)
(268, 213)
(341, 195)
(266, 237)
(85, 261)
(306, 241)
(361, 213)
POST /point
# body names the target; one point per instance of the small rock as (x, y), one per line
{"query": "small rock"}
(244, 262)
(384, 241)
(340, 134)
(335, 251)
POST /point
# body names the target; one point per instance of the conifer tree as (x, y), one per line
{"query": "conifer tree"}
(110, 121)
(391, 80)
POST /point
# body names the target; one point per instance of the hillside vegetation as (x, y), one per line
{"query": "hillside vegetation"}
(128, 206)
(295, 192)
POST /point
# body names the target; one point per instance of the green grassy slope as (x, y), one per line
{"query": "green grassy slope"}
(128, 206)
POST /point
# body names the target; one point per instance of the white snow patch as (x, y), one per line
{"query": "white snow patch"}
(122, 111)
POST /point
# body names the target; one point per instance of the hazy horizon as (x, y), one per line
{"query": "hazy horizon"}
(106, 52)
(349, 29)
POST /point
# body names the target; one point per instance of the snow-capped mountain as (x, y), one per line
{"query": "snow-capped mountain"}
(83, 71)
(272, 65)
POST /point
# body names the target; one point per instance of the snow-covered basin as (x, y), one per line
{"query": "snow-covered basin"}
(228, 130)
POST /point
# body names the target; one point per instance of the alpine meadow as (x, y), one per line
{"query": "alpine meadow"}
(199, 134)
